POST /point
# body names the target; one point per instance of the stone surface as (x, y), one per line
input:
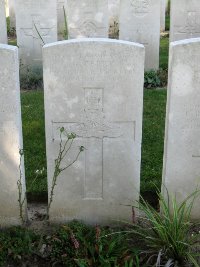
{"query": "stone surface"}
(185, 19)
(10, 136)
(140, 22)
(94, 87)
(61, 6)
(87, 18)
(3, 27)
(11, 4)
(162, 15)
(181, 173)
(32, 21)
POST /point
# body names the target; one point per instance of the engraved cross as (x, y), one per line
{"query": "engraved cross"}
(93, 129)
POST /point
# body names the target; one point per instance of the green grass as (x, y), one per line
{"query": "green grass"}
(34, 139)
(153, 139)
(164, 52)
(167, 23)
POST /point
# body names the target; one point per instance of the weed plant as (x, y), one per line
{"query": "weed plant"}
(167, 234)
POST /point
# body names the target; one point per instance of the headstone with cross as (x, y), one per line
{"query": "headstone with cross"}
(87, 18)
(36, 25)
(12, 179)
(181, 171)
(99, 98)
(140, 22)
(185, 20)
(3, 27)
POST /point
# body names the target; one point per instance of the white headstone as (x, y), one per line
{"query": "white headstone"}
(61, 12)
(3, 27)
(162, 14)
(11, 4)
(185, 19)
(84, 81)
(140, 22)
(87, 18)
(181, 174)
(36, 24)
(10, 136)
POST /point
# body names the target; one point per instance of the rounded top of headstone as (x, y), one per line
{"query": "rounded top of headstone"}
(93, 40)
(185, 42)
(8, 47)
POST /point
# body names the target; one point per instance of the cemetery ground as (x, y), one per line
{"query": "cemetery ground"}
(173, 243)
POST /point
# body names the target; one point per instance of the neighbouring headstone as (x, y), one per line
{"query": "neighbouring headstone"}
(140, 22)
(61, 18)
(84, 81)
(181, 173)
(10, 137)
(3, 26)
(185, 19)
(36, 25)
(11, 4)
(87, 18)
(162, 15)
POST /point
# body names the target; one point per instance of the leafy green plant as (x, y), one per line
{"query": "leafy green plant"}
(31, 78)
(10, 30)
(155, 79)
(15, 244)
(167, 234)
(76, 244)
(151, 79)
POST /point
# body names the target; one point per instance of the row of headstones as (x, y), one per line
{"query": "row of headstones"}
(113, 9)
(36, 24)
(84, 82)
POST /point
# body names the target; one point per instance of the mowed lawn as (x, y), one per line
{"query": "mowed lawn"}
(34, 140)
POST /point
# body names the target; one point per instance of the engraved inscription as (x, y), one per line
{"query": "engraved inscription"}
(93, 98)
(88, 28)
(192, 25)
(140, 7)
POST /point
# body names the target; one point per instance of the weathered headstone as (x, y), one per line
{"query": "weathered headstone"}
(87, 18)
(3, 27)
(10, 137)
(181, 174)
(11, 4)
(36, 24)
(140, 22)
(185, 19)
(84, 81)
(162, 14)
(61, 12)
